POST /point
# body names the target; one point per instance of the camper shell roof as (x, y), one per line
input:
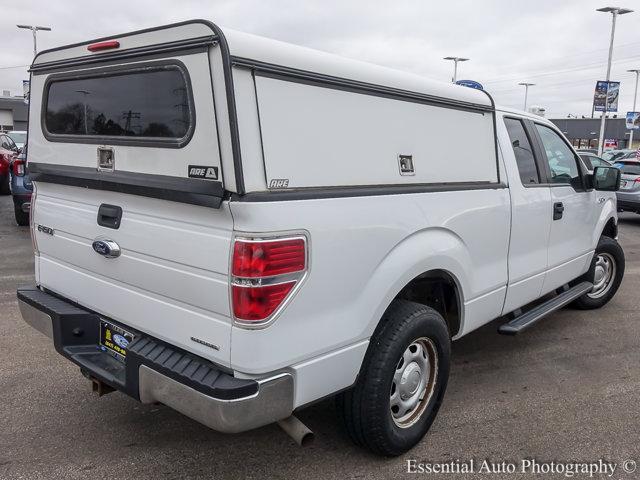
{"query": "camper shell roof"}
(242, 49)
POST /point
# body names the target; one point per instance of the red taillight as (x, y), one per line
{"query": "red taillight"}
(109, 44)
(264, 274)
(257, 303)
(18, 168)
(256, 259)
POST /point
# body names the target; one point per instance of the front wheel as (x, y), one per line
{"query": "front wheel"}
(606, 272)
(402, 380)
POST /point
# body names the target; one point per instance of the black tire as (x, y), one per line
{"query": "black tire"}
(22, 218)
(611, 250)
(365, 409)
(4, 185)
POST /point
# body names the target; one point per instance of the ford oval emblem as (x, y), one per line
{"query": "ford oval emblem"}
(120, 340)
(106, 248)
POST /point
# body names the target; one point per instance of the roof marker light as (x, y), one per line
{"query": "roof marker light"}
(109, 44)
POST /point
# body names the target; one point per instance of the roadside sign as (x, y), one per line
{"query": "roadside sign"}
(25, 90)
(633, 120)
(603, 96)
(470, 84)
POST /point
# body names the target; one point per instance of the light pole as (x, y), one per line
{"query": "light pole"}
(614, 11)
(455, 66)
(635, 97)
(526, 92)
(34, 29)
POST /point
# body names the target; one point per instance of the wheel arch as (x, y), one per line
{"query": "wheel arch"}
(607, 224)
(610, 228)
(428, 268)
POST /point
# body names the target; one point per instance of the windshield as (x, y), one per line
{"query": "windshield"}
(612, 155)
(630, 168)
(18, 137)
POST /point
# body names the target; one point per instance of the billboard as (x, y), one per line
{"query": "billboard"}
(633, 120)
(602, 98)
(25, 90)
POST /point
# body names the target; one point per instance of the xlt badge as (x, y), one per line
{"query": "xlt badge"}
(203, 171)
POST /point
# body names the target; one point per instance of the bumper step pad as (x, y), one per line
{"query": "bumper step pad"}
(75, 332)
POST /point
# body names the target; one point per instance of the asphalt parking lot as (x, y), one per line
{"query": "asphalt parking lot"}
(568, 390)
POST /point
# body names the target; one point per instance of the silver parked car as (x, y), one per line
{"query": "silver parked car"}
(591, 161)
(629, 193)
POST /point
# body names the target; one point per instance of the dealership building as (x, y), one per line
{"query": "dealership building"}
(13, 113)
(584, 132)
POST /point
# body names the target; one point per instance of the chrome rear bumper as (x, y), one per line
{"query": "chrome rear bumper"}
(272, 402)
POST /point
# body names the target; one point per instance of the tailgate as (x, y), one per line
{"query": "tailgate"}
(126, 152)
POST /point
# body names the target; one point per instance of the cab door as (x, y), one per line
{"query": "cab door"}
(573, 210)
(530, 219)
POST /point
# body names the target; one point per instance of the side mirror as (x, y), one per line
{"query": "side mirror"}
(606, 179)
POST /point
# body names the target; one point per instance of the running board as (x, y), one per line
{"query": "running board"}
(526, 320)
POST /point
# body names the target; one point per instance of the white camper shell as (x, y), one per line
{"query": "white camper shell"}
(239, 213)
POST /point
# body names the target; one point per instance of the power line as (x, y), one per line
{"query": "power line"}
(588, 66)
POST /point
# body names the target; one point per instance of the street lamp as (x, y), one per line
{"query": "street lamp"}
(526, 92)
(614, 11)
(455, 66)
(635, 97)
(34, 29)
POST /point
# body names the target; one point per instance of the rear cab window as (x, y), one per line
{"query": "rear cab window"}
(129, 105)
(523, 152)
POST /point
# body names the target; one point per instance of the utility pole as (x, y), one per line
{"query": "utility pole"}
(614, 11)
(635, 97)
(455, 66)
(34, 29)
(526, 92)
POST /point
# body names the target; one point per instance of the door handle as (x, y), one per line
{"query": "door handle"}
(558, 210)
(109, 216)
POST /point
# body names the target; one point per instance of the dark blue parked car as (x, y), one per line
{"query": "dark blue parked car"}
(21, 188)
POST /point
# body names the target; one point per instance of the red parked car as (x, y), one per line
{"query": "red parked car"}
(8, 150)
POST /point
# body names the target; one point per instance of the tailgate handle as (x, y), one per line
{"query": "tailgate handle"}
(109, 216)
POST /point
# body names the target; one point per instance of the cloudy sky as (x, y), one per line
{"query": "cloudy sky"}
(560, 45)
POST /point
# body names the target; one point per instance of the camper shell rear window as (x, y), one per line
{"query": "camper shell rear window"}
(141, 105)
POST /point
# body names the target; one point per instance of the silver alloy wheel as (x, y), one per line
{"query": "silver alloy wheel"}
(414, 382)
(605, 272)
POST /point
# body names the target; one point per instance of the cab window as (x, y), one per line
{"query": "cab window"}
(523, 152)
(561, 159)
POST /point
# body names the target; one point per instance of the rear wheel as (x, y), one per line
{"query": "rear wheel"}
(22, 218)
(402, 380)
(606, 272)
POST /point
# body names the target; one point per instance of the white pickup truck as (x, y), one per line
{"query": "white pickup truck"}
(236, 227)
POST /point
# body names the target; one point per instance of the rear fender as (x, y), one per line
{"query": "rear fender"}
(424, 251)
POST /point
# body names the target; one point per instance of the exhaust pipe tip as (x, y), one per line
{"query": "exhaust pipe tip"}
(297, 430)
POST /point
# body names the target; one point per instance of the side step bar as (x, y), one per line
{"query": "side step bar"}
(526, 320)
